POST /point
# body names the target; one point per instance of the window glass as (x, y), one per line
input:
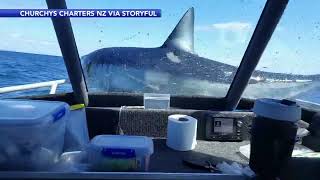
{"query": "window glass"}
(292, 57)
(29, 51)
(132, 61)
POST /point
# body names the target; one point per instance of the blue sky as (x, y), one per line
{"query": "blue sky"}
(222, 30)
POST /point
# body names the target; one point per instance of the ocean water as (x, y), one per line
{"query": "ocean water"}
(23, 68)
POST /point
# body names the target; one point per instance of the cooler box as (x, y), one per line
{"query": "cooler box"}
(31, 133)
(120, 153)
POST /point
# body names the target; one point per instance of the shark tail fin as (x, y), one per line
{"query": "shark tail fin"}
(182, 37)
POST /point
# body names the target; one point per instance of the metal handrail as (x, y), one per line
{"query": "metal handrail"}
(52, 84)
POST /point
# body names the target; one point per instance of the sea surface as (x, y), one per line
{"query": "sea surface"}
(23, 68)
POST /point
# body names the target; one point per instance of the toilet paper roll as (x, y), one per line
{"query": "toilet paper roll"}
(181, 132)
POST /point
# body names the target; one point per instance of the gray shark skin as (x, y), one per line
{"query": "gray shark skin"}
(172, 68)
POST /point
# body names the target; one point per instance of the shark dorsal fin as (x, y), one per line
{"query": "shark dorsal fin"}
(182, 35)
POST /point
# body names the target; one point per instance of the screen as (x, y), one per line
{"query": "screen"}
(223, 125)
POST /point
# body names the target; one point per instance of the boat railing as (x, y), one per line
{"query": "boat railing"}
(308, 104)
(53, 84)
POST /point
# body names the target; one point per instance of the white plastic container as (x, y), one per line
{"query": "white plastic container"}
(31, 133)
(77, 136)
(156, 101)
(120, 153)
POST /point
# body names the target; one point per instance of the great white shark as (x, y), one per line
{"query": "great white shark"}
(175, 68)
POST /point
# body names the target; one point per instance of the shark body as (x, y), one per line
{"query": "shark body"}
(172, 68)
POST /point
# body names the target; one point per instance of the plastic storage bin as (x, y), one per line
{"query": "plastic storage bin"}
(77, 136)
(120, 153)
(156, 101)
(31, 133)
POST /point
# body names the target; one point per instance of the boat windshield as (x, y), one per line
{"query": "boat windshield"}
(292, 57)
(131, 61)
(135, 55)
(130, 54)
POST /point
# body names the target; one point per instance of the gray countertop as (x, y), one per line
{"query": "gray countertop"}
(168, 164)
(165, 159)
(165, 163)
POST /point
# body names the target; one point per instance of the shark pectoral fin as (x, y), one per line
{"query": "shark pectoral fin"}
(182, 37)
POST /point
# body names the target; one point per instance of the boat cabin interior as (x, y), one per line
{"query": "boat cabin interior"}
(123, 114)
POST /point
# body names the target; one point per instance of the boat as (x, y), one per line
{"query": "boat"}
(123, 113)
